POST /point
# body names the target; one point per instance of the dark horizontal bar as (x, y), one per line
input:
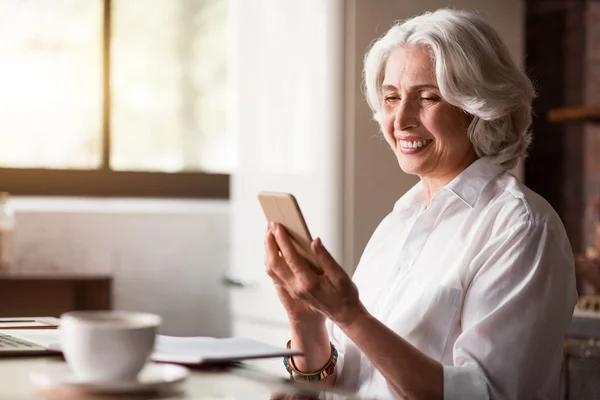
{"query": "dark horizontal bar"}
(103, 183)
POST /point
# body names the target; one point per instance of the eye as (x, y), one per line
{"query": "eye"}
(430, 97)
(391, 98)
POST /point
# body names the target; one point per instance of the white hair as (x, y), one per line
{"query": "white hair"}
(474, 71)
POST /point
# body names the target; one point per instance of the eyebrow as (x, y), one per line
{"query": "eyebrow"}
(416, 87)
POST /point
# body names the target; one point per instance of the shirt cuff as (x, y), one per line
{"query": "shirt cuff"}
(338, 382)
(464, 383)
(339, 365)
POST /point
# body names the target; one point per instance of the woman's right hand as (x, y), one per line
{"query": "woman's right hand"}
(298, 312)
(308, 331)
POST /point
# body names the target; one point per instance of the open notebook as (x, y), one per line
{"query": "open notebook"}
(171, 349)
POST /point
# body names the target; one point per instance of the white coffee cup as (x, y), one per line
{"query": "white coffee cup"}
(101, 346)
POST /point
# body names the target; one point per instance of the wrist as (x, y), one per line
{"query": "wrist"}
(353, 319)
(308, 323)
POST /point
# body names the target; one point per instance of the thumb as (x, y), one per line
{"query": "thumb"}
(325, 259)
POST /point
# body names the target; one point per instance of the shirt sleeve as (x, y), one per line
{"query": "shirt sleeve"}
(515, 314)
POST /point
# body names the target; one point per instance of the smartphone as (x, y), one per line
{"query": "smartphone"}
(283, 208)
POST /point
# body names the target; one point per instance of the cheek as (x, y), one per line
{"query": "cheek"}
(387, 127)
(447, 126)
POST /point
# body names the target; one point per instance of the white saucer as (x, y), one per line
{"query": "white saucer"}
(154, 377)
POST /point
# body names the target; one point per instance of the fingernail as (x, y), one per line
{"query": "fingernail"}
(319, 243)
(272, 226)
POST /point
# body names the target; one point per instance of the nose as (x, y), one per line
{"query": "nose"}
(406, 116)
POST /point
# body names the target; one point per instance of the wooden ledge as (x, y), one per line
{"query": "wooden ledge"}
(52, 276)
(574, 114)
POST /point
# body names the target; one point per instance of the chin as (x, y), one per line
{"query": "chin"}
(411, 166)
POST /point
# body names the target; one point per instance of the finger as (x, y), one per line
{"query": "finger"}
(282, 292)
(331, 268)
(295, 261)
(277, 267)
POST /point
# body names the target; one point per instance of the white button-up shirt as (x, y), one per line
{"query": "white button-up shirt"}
(482, 280)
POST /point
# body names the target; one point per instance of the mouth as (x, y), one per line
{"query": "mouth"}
(413, 146)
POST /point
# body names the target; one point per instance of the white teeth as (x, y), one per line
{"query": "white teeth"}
(414, 143)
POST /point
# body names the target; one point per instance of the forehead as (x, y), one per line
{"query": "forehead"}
(409, 65)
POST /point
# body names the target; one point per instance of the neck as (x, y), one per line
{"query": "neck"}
(433, 183)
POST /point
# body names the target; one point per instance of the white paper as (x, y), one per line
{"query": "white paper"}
(29, 322)
(197, 350)
(20, 324)
(182, 350)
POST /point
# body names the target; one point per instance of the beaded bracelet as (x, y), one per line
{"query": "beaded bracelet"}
(324, 372)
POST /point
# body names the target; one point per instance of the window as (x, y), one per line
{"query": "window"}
(114, 97)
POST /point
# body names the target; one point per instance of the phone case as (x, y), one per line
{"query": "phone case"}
(283, 208)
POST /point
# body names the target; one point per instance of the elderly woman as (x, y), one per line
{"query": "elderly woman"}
(466, 288)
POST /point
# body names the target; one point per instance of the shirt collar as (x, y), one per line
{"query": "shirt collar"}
(414, 197)
(467, 186)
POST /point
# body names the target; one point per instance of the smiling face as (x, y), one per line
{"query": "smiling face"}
(427, 134)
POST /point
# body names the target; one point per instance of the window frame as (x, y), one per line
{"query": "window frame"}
(103, 181)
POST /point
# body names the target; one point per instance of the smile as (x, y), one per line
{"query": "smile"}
(413, 146)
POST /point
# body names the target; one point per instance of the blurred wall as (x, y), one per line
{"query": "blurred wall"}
(166, 256)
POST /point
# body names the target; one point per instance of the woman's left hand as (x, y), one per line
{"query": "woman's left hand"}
(331, 292)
